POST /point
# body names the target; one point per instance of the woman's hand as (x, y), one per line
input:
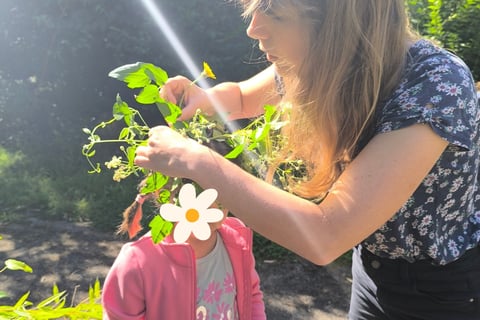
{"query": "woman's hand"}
(187, 95)
(169, 152)
(234, 100)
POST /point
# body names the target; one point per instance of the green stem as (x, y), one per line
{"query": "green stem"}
(118, 141)
(191, 84)
(141, 118)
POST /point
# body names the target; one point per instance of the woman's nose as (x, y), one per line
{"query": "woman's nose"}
(258, 28)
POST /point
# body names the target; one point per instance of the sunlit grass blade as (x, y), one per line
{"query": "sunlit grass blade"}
(13, 264)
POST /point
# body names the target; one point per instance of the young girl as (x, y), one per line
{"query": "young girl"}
(388, 126)
(208, 275)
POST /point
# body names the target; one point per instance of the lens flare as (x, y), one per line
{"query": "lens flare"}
(154, 10)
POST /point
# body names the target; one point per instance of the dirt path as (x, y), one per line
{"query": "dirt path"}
(73, 255)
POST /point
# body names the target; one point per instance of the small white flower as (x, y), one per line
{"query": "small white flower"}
(193, 215)
(114, 163)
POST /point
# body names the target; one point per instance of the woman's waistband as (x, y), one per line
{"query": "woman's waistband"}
(372, 261)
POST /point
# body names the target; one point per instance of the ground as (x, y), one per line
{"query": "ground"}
(74, 255)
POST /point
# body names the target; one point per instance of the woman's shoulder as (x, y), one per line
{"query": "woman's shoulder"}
(427, 60)
(437, 88)
(432, 76)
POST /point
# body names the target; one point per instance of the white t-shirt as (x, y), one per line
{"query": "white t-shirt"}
(216, 286)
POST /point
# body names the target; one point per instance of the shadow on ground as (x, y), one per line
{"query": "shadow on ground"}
(74, 255)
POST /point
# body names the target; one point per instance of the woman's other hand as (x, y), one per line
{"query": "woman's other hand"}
(187, 95)
(168, 152)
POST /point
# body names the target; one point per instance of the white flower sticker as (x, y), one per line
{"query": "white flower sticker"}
(193, 215)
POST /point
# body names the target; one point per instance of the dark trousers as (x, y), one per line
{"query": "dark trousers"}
(398, 290)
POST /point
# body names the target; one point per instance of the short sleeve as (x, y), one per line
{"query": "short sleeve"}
(437, 89)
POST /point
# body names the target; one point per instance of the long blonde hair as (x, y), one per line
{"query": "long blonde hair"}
(357, 53)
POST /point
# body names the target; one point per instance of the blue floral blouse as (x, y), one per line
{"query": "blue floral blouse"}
(441, 220)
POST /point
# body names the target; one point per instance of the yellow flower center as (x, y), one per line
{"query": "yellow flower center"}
(192, 215)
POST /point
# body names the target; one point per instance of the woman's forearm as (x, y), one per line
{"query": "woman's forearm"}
(245, 99)
(369, 192)
(287, 220)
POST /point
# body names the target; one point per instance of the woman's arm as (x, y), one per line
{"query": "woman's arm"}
(368, 193)
(255, 93)
(239, 100)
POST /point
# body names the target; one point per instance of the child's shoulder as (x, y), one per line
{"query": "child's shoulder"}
(145, 243)
(235, 228)
(234, 222)
(146, 252)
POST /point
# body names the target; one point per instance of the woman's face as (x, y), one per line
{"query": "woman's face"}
(282, 37)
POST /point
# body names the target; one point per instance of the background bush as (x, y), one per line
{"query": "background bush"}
(54, 61)
(454, 24)
(55, 58)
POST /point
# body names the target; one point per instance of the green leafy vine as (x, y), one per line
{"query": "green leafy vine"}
(252, 147)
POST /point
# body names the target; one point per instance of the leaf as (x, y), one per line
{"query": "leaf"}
(3, 294)
(13, 264)
(139, 75)
(97, 289)
(156, 74)
(262, 132)
(121, 110)
(235, 152)
(22, 300)
(61, 303)
(148, 95)
(154, 182)
(160, 228)
(132, 74)
(54, 298)
(55, 291)
(278, 125)
(131, 155)
(123, 133)
(91, 295)
(169, 111)
(164, 196)
(269, 112)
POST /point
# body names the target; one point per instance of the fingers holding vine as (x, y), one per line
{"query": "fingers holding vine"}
(166, 151)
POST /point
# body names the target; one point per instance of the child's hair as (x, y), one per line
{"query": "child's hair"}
(132, 215)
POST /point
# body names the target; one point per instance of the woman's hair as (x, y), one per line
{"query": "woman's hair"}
(357, 54)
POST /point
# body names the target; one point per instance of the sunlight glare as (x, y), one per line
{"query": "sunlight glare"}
(162, 23)
(175, 42)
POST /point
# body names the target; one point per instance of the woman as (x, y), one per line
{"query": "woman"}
(387, 124)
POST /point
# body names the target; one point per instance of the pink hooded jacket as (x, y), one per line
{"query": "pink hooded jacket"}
(158, 281)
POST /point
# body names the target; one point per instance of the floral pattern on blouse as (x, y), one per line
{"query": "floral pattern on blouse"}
(441, 220)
